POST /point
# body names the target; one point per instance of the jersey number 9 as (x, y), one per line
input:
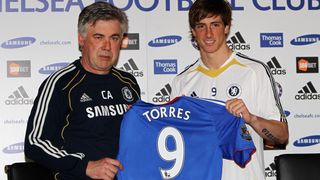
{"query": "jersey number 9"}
(176, 155)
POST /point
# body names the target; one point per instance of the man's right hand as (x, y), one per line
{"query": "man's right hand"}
(104, 169)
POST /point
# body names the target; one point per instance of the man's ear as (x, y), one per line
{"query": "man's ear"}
(80, 39)
(227, 29)
(193, 33)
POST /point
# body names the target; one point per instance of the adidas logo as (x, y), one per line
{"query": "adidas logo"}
(130, 65)
(308, 92)
(237, 42)
(275, 67)
(271, 170)
(85, 98)
(20, 93)
(193, 94)
(132, 68)
(309, 88)
(19, 97)
(163, 95)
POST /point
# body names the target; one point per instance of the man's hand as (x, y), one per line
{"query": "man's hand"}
(104, 169)
(238, 108)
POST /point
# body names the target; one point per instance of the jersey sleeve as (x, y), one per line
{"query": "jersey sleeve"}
(267, 93)
(43, 140)
(174, 88)
(235, 141)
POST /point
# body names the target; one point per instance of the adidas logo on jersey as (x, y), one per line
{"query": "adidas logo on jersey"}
(275, 67)
(163, 95)
(19, 97)
(237, 42)
(85, 98)
(308, 92)
(193, 94)
(132, 68)
(271, 170)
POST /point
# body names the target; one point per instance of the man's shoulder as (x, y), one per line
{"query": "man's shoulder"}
(122, 73)
(247, 60)
(124, 76)
(253, 63)
(189, 68)
(64, 73)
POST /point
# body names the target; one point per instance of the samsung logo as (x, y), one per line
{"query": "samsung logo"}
(307, 141)
(14, 148)
(18, 42)
(164, 41)
(51, 68)
(306, 39)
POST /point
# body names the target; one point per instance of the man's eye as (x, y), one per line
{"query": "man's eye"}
(199, 26)
(216, 25)
(115, 38)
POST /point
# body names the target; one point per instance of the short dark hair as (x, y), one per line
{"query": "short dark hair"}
(101, 11)
(208, 8)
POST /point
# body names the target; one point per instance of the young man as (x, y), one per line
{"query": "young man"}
(75, 122)
(244, 83)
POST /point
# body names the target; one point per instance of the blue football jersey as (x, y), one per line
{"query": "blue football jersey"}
(183, 139)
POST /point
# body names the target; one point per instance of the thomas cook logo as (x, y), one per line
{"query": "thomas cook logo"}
(18, 42)
(271, 39)
(237, 42)
(305, 40)
(308, 92)
(307, 141)
(164, 41)
(19, 97)
(275, 67)
(14, 148)
(163, 95)
(165, 66)
(132, 68)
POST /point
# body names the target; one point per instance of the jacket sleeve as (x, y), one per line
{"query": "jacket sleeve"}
(44, 140)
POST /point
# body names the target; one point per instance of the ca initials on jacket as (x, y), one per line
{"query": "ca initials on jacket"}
(106, 95)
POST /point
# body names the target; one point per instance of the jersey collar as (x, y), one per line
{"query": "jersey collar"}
(214, 73)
